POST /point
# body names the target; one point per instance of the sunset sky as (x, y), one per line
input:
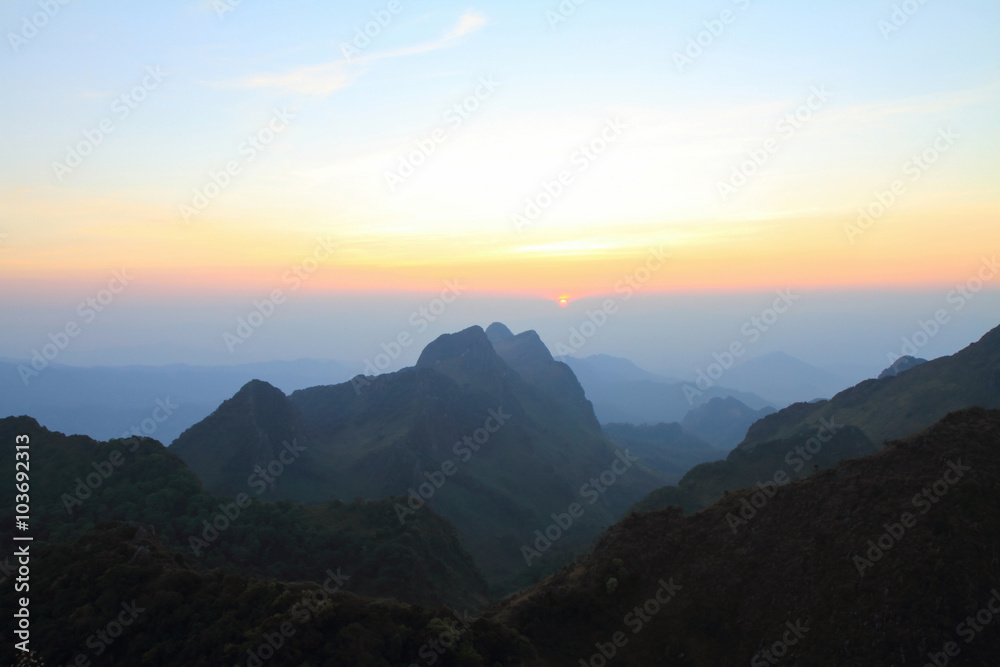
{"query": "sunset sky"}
(644, 127)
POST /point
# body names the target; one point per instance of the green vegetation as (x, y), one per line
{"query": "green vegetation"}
(172, 613)
(794, 560)
(421, 561)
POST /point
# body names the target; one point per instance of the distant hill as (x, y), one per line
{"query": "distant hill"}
(783, 379)
(79, 483)
(495, 450)
(722, 421)
(666, 448)
(900, 365)
(622, 392)
(106, 401)
(608, 368)
(883, 560)
(896, 405)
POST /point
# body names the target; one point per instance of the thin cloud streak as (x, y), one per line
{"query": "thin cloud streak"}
(326, 78)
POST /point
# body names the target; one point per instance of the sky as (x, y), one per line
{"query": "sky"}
(358, 158)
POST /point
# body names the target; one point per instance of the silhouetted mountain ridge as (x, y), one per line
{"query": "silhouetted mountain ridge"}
(895, 406)
(537, 443)
(860, 548)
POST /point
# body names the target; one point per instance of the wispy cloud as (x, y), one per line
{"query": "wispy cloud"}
(320, 79)
(469, 23)
(326, 78)
(915, 105)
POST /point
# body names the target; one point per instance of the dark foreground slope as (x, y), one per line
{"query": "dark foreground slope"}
(879, 561)
(77, 483)
(119, 596)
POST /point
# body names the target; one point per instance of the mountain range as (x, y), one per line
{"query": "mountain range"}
(896, 405)
(883, 560)
(497, 438)
(623, 393)
(381, 520)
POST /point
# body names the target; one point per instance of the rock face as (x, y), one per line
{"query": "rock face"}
(496, 441)
(527, 355)
(900, 365)
(467, 357)
(498, 332)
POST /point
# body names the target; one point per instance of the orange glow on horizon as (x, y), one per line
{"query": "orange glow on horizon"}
(900, 251)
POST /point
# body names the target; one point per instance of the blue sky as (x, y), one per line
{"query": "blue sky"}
(352, 120)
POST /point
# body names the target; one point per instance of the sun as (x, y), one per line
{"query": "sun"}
(563, 301)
